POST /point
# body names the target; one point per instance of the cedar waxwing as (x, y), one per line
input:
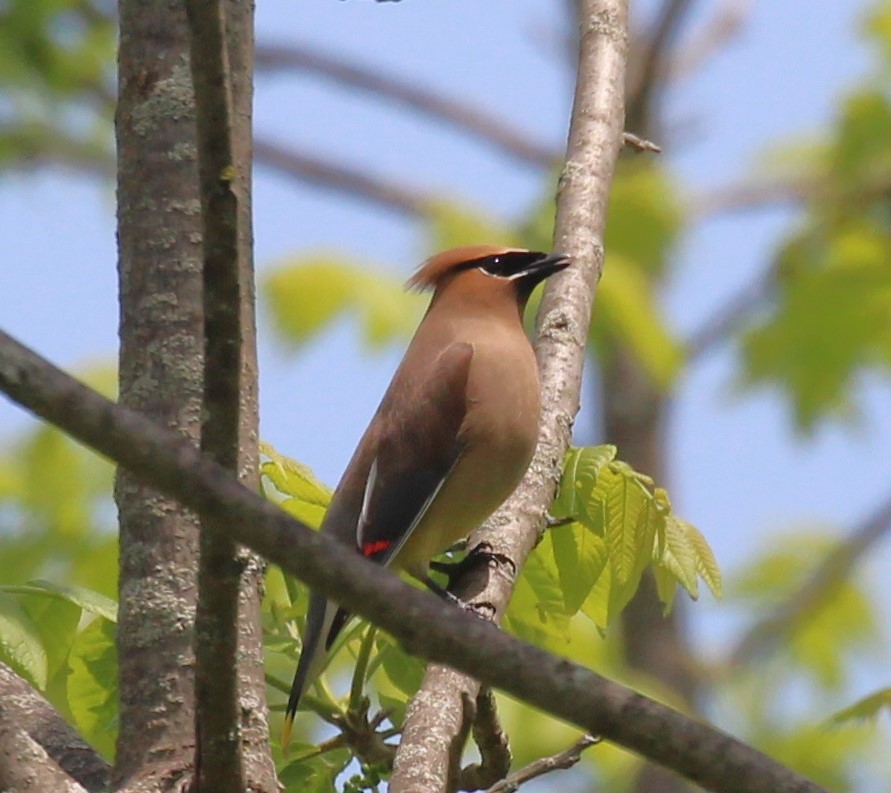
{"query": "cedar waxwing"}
(453, 435)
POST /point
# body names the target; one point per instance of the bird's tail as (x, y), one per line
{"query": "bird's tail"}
(319, 619)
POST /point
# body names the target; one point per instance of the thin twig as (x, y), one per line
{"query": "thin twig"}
(730, 317)
(480, 124)
(836, 567)
(723, 26)
(641, 144)
(565, 759)
(218, 762)
(493, 745)
(649, 76)
(347, 182)
(425, 625)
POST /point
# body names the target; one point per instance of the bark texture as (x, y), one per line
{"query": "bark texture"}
(232, 718)
(23, 710)
(159, 238)
(432, 732)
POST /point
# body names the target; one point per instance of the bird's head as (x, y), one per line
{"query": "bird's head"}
(488, 270)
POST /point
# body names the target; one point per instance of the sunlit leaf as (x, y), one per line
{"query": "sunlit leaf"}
(451, 225)
(89, 601)
(315, 773)
(308, 295)
(628, 312)
(55, 620)
(581, 556)
(537, 611)
(867, 708)
(832, 319)
(93, 685)
(580, 471)
(21, 647)
(307, 498)
(644, 215)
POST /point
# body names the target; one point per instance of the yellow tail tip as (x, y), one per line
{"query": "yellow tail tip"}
(287, 726)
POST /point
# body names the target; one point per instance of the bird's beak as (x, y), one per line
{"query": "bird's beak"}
(546, 266)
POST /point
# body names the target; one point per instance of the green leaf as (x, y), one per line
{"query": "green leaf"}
(403, 670)
(866, 708)
(316, 773)
(90, 601)
(451, 225)
(644, 215)
(93, 685)
(683, 557)
(832, 320)
(581, 556)
(21, 647)
(309, 294)
(581, 468)
(56, 621)
(630, 525)
(537, 611)
(308, 498)
(678, 558)
(706, 563)
(822, 639)
(628, 312)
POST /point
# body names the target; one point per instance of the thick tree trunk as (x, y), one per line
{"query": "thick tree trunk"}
(159, 268)
(162, 348)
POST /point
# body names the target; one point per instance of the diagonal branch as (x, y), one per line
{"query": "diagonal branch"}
(340, 179)
(725, 23)
(650, 70)
(22, 709)
(27, 768)
(425, 625)
(836, 567)
(565, 759)
(730, 317)
(474, 121)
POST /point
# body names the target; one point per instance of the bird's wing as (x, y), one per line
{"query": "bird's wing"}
(418, 447)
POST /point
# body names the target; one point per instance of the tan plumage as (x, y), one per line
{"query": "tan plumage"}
(453, 434)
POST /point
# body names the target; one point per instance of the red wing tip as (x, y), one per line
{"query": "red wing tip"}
(376, 546)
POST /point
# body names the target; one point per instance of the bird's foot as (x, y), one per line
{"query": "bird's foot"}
(483, 553)
(482, 610)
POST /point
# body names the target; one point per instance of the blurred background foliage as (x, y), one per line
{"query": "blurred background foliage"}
(815, 324)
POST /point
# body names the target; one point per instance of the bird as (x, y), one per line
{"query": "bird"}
(452, 437)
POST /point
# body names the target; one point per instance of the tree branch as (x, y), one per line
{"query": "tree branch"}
(159, 260)
(472, 120)
(493, 745)
(218, 760)
(649, 68)
(25, 767)
(347, 182)
(595, 137)
(730, 317)
(565, 759)
(836, 567)
(424, 624)
(22, 709)
(724, 24)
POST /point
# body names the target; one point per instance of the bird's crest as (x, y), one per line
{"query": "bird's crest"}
(431, 272)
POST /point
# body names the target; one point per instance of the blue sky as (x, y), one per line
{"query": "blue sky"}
(738, 471)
